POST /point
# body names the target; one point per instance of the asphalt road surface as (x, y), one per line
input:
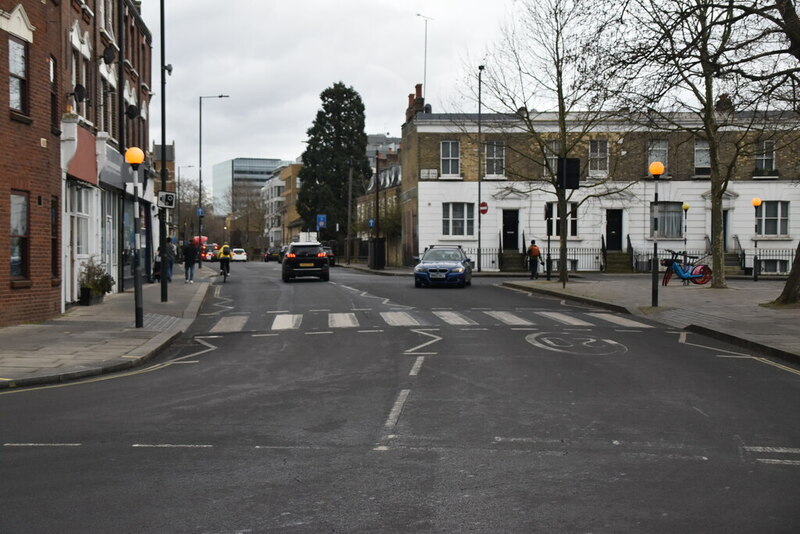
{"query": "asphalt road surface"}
(366, 405)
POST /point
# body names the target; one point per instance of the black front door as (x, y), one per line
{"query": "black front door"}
(614, 229)
(510, 229)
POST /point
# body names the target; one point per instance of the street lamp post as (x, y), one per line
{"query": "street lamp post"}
(480, 146)
(425, 58)
(200, 177)
(162, 212)
(656, 169)
(756, 202)
(134, 157)
(685, 207)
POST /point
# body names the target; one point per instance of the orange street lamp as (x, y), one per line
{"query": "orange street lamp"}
(756, 202)
(134, 157)
(656, 169)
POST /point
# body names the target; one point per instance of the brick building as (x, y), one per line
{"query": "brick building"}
(76, 78)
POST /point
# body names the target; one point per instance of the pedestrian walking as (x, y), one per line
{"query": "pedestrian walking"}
(534, 259)
(169, 258)
(189, 260)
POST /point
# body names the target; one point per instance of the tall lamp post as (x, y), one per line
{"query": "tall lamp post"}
(134, 157)
(480, 146)
(656, 169)
(162, 212)
(200, 177)
(756, 202)
(425, 58)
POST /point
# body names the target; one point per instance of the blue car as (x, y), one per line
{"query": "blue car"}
(443, 265)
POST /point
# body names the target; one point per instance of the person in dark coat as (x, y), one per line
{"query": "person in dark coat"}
(189, 261)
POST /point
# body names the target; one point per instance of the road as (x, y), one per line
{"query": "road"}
(366, 405)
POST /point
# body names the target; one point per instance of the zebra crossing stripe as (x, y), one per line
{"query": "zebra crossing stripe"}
(564, 318)
(287, 321)
(399, 319)
(234, 323)
(618, 320)
(342, 320)
(508, 318)
(454, 318)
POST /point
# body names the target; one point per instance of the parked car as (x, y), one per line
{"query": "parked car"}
(273, 254)
(305, 259)
(238, 254)
(443, 265)
(331, 255)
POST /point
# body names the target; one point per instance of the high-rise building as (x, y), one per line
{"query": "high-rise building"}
(236, 182)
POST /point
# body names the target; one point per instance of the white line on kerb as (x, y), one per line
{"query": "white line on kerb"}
(394, 415)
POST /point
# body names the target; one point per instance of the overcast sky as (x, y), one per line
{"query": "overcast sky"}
(275, 57)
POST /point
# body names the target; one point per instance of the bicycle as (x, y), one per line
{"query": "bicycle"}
(691, 271)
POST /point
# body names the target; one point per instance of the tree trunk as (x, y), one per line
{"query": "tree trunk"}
(717, 245)
(791, 291)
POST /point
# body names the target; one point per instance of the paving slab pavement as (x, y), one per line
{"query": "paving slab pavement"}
(92, 340)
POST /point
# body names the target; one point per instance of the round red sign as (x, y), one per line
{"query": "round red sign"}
(484, 207)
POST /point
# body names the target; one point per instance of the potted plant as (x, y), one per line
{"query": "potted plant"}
(95, 282)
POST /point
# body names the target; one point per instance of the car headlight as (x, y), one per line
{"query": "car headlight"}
(458, 269)
(419, 269)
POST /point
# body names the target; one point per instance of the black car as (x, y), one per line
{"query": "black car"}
(443, 265)
(305, 259)
(273, 254)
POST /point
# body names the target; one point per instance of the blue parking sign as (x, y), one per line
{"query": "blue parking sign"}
(322, 221)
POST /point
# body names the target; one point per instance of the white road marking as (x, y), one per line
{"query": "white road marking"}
(454, 318)
(320, 310)
(616, 319)
(369, 331)
(417, 366)
(399, 319)
(278, 311)
(317, 333)
(342, 320)
(264, 335)
(233, 323)
(779, 450)
(287, 321)
(508, 318)
(424, 333)
(397, 409)
(777, 462)
(564, 318)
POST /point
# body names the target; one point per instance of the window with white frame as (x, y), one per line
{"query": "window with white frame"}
(551, 157)
(658, 150)
(598, 157)
(495, 158)
(670, 219)
(772, 218)
(458, 218)
(553, 226)
(702, 158)
(18, 75)
(79, 207)
(765, 157)
(450, 158)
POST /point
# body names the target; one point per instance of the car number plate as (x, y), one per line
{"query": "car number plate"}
(306, 265)
(437, 275)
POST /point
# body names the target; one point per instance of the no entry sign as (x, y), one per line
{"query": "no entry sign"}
(484, 207)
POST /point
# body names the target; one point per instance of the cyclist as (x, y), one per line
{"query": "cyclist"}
(225, 259)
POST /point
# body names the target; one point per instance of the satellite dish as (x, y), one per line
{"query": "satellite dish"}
(109, 55)
(132, 112)
(79, 93)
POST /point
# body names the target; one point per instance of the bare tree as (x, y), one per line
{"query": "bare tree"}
(540, 84)
(708, 70)
(246, 215)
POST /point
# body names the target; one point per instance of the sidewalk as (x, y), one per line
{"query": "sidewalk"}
(102, 338)
(92, 340)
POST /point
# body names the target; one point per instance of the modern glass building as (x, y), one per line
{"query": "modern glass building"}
(236, 182)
